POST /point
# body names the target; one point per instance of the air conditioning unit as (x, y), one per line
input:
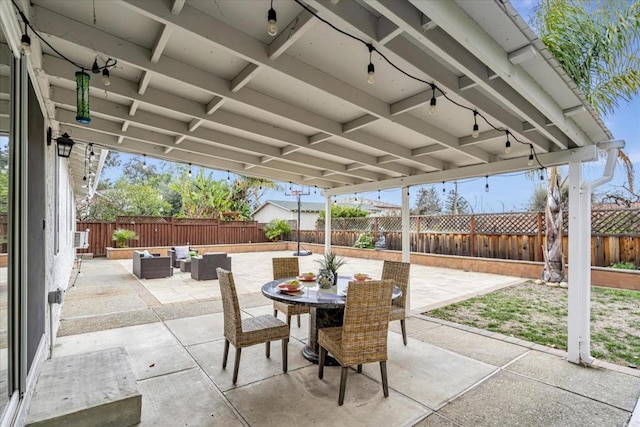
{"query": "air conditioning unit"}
(81, 239)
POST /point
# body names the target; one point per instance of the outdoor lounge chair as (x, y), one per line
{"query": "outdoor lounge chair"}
(282, 268)
(204, 267)
(399, 273)
(151, 267)
(362, 338)
(247, 332)
(179, 253)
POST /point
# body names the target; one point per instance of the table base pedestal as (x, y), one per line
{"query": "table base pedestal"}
(321, 318)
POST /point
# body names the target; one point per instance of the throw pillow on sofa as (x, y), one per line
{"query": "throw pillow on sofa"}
(182, 252)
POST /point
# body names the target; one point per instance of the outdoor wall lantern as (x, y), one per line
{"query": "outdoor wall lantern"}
(65, 144)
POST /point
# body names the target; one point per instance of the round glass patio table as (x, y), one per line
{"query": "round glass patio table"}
(326, 307)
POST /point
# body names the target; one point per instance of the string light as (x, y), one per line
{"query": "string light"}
(144, 161)
(443, 188)
(189, 170)
(507, 145)
(541, 174)
(371, 70)
(272, 22)
(228, 177)
(92, 156)
(106, 79)
(432, 104)
(486, 185)
(356, 197)
(476, 131)
(378, 194)
(530, 162)
(315, 189)
(25, 42)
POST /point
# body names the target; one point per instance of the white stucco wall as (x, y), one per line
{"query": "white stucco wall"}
(269, 212)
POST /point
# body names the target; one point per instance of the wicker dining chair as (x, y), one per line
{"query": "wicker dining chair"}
(282, 268)
(399, 273)
(362, 338)
(247, 332)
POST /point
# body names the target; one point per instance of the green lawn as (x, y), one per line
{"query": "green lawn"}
(539, 314)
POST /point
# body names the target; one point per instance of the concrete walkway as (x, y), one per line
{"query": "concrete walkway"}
(447, 375)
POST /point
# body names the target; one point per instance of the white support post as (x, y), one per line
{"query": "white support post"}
(327, 224)
(405, 240)
(579, 333)
(405, 224)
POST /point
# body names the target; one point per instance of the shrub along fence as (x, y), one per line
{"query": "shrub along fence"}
(170, 231)
(518, 236)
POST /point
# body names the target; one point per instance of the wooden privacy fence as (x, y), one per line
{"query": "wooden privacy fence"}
(170, 231)
(518, 236)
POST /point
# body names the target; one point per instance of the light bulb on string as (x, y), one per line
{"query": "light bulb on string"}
(25, 42)
(272, 21)
(106, 79)
(476, 131)
(92, 155)
(189, 170)
(378, 194)
(356, 197)
(371, 70)
(507, 145)
(530, 162)
(541, 174)
(486, 185)
(443, 188)
(432, 104)
(315, 189)
(228, 177)
(144, 161)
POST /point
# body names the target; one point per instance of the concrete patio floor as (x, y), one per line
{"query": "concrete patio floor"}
(447, 375)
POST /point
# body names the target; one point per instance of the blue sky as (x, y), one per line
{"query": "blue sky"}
(512, 192)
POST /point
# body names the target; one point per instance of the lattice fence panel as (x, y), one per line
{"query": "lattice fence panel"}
(621, 221)
(445, 223)
(389, 223)
(512, 223)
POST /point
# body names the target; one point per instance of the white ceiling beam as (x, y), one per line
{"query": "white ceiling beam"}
(177, 6)
(358, 123)
(212, 31)
(288, 150)
(58, 26)
(125, 126)
(144, 82)
(456, 24)
(424, 151)
(415, 101)
(465, 83)
(167, 150)
(100, 125)
(244, 77)
(483, 136)
(386, 159)
(120, 139)
(61, 70)
(161, 43)
(319, 137)
(134, 146)
(165, 125)
(581, 154)
(194, 124)
(214, 104)
(290, 34)
(523, 54)
(387, 30)
(574, 111)
(133, 108)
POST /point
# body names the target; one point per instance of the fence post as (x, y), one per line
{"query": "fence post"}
(472, 236)
(538, 252)
(418, 238)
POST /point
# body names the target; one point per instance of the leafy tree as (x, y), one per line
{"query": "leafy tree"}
(276, 228)
(124, 198)
(428, 202)
(204, 197)
(339, 211)
(596, 43)
(455, 203)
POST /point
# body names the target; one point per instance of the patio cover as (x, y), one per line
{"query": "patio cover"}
(202, 83)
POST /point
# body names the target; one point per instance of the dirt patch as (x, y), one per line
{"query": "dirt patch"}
(538, 313)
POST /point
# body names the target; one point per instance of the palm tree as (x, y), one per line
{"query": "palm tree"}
(597, 44)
